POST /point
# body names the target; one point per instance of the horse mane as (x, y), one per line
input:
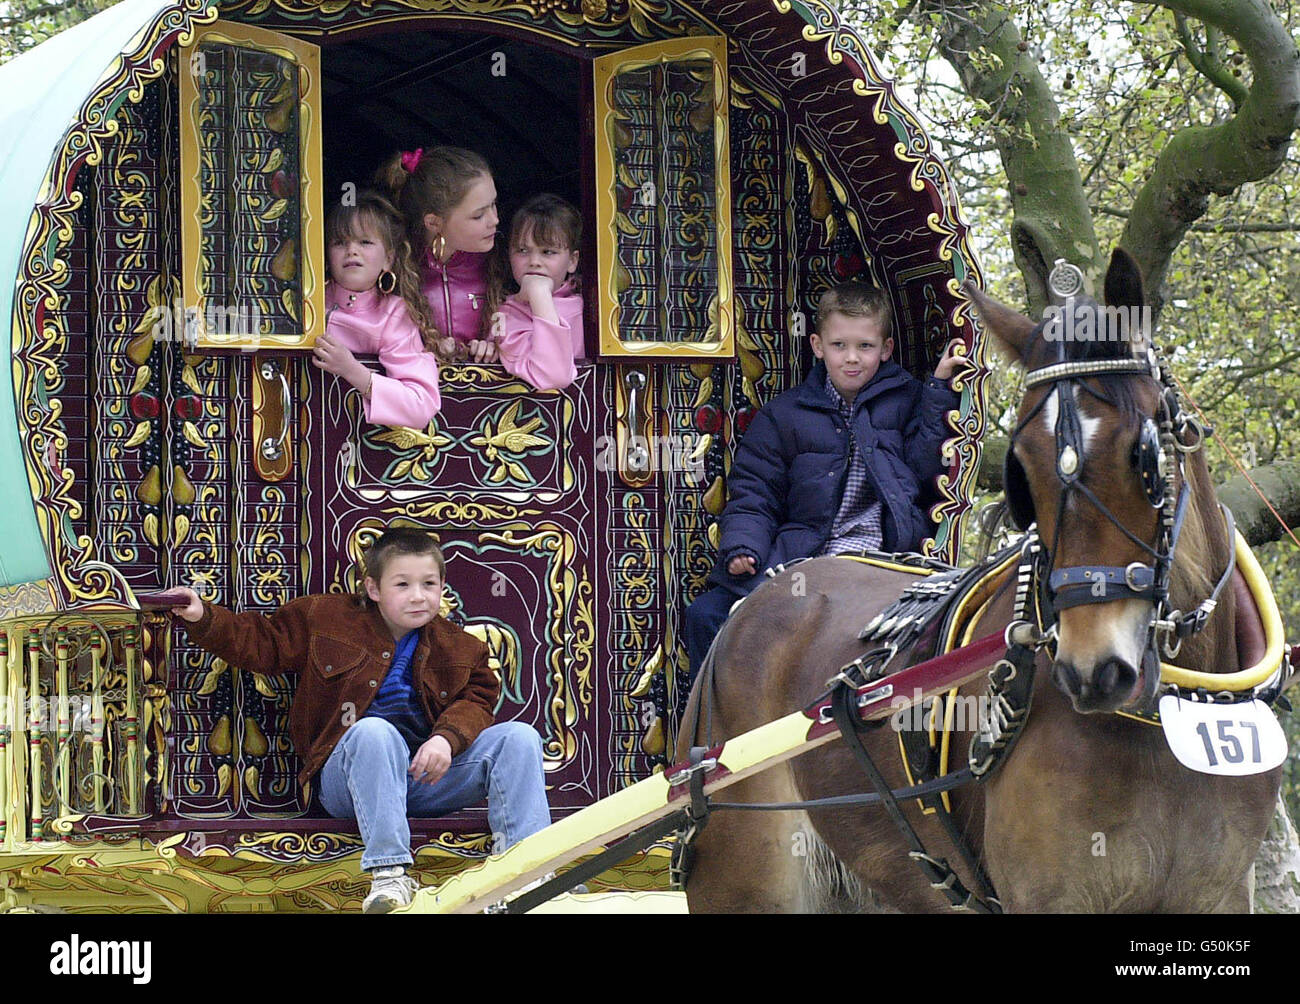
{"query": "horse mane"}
(1203, 536)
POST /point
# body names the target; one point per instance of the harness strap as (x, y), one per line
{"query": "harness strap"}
(1194, 620)
(1080, 584)
(937, 870)
(1011, 685)
(693, 819)
(929, 788)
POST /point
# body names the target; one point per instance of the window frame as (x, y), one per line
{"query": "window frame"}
(311, 229)
(605, 70)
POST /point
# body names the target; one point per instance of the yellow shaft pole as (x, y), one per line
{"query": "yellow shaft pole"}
(614, 817)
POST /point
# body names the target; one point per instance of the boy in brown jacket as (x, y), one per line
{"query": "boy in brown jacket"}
(394, 707)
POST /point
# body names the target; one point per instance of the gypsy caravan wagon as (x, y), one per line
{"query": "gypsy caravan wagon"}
(167, 167)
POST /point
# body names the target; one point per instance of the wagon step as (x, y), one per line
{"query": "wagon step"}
(660, 798)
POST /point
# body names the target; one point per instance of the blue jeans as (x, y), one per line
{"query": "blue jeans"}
(365, 779)
(704, 619)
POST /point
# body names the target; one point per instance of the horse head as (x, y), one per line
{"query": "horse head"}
(1091, 463)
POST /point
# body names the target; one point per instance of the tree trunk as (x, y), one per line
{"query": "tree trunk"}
(1280, 483)
(1000, 73)
(1277, 868)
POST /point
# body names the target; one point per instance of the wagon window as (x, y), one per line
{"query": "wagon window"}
(663, 201)
(250, 156)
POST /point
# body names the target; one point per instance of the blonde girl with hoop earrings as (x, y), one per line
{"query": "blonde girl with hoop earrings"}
(373, 305)
(448, 200)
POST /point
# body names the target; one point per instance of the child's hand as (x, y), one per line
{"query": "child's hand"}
(483, 350)
(431, 761)
(536, 289)
(191, 611)
(950, 360)
(338, 359)
(742, 564)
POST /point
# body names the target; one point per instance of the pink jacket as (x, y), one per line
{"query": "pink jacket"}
(457, 289)
(540, 351)
(372, 323)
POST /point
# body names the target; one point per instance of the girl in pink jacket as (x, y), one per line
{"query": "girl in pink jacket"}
(540, 327)
(448, 199)
(374, 306)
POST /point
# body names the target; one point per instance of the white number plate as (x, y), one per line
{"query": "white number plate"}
(1229, 739)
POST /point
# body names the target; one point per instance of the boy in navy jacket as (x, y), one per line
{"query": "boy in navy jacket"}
(836, 464)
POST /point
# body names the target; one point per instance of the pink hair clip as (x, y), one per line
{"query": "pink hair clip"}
(410, 161)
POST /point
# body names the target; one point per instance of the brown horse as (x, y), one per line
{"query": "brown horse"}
(1090, 811)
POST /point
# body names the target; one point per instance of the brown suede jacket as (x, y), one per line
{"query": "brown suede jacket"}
(342, 651)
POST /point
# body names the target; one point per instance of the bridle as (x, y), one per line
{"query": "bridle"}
(1164, 441)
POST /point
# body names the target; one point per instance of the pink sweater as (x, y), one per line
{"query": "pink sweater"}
(372, 323)
(540, 351)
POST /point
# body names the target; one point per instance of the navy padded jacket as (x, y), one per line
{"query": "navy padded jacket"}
(788, 477)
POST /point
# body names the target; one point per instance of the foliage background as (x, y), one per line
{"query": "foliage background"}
(1124, 85)
(26, 23)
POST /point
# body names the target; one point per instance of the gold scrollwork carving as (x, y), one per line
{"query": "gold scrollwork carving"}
(642, 19)
(38, 348)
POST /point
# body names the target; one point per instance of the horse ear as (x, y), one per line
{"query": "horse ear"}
(1123, 281)
(1010, 329)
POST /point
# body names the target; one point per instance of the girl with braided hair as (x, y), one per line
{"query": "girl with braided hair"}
(448, 200)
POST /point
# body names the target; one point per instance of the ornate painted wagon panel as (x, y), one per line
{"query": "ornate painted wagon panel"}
(572, 564)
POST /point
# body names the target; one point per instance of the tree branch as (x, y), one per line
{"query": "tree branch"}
(1052, 220)
(1131, 107)
(1200, 161)
(1209, 65)
(1280, 483)
(1214, 228)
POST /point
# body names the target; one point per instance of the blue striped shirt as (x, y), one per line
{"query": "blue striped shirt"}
(396, 701)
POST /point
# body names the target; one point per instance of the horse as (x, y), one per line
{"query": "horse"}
(1089, 811)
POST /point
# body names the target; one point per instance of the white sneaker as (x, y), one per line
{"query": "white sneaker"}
(389, 889)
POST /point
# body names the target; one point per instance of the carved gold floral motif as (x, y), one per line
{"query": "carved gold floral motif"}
(427, 442)
(509, 438)
(637, 19)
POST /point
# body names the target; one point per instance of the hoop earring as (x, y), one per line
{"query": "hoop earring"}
(438, 246)
(387, 281)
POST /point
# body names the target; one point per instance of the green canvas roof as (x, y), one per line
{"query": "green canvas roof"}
(43, 90)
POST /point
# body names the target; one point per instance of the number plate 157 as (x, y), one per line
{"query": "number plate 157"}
(1230, 739)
